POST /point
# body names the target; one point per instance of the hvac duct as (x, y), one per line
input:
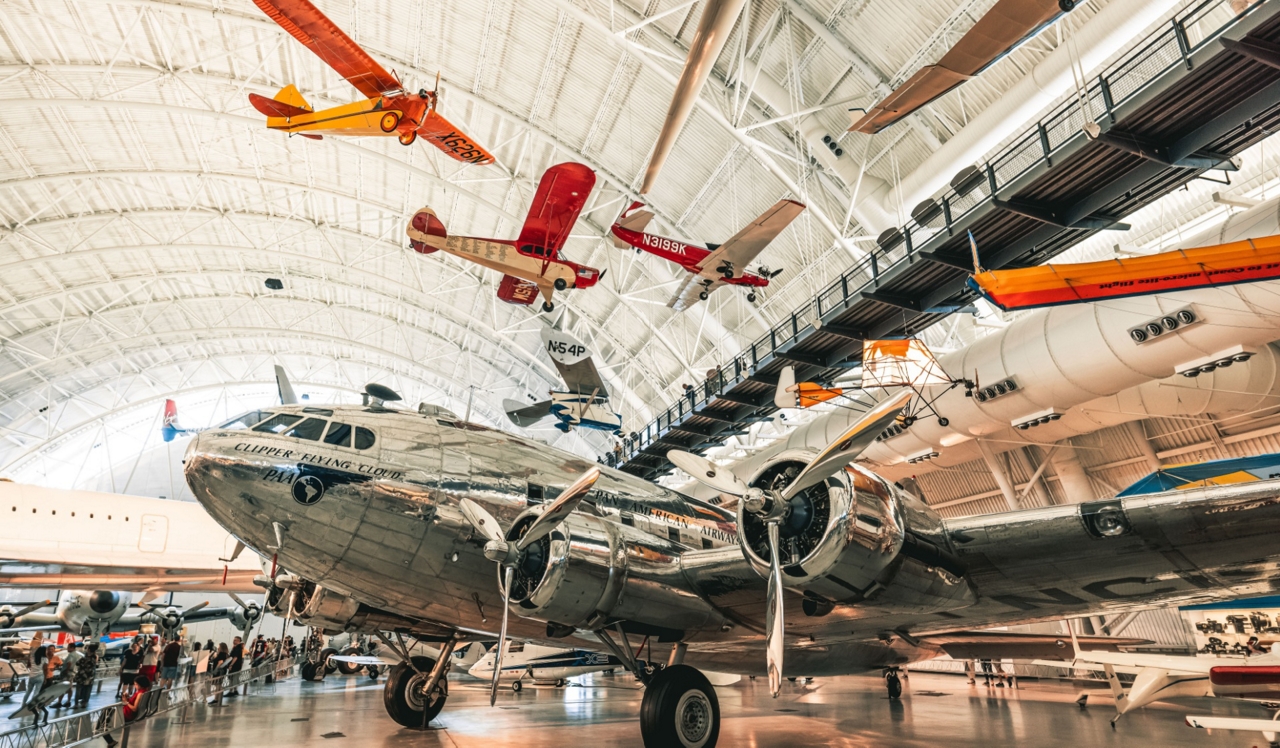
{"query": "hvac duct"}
(1110, 31)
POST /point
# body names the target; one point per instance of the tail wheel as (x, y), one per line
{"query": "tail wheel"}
(349, 668)
(547, 306)
(407, 138)
(561, 284)
(680, 709)
(389, 122)
(405, 697)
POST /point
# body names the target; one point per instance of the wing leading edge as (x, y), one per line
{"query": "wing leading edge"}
(317, 33)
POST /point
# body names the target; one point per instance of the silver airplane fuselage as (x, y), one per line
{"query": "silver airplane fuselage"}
(382, 527)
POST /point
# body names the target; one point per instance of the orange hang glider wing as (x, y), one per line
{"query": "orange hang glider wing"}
(317, 33)
(561, 194)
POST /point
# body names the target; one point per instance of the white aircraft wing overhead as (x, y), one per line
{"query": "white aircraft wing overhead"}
(744, 246)
(573, 360)
(689, 292)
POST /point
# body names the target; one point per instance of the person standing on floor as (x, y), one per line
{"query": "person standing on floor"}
(235, 661)
(129, 665)
(169, 658)
(69, 663)
(35, 677)
(86, 669)
(150, 658)
(52, 669)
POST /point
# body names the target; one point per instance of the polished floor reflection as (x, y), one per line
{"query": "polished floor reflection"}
(601, 711)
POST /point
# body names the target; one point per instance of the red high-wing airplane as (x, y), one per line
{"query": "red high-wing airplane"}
(532, 263)
(389, 108)
(717, 264)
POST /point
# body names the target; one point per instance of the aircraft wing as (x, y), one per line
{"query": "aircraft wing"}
(1172, 663)
(317, 33)
(526, 415)
(1209, 722)
(365, 660)
(583, 378)
(690, 291)
(995, 645)
(561, 194)
(1006, 25)
(744, 246)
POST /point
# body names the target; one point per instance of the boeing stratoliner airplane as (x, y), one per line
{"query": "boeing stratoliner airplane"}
(825, 569)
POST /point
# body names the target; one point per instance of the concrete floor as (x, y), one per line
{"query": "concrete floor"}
(601, 711)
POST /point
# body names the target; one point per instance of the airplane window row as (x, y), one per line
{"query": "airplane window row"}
(308, 428)
(55, 511)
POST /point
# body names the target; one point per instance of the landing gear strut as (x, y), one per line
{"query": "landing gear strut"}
(405, 694)
(679, 709)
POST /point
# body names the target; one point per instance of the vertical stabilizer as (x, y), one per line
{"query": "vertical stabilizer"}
(284, 387)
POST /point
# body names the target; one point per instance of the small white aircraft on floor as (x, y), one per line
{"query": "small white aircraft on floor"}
(542, 665)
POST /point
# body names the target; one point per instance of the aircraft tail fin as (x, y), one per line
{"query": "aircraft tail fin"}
(169, 427)
(426, 232)
(634, 218)
(785, 396)
(285, 387)
(287, 102)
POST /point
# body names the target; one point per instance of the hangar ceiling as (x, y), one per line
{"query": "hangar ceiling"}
(144, 202)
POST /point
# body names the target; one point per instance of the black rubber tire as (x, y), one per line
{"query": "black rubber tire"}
(703, 295)
(944, 422)
(349, 668)
(680, 710)
(561, 284)
(374, 671)
(894, 685)
(547, 306)
(516, 687)
(330, 666)
(560, 683)
(395, 697)
(1066, 5)
(751, 298)
(308, 672)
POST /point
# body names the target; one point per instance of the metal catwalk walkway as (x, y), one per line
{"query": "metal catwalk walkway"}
(1187, 100)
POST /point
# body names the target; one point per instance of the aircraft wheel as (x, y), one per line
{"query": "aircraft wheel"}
(1066, 5)
(389, 122)
(680, 709)
(703, 295)
(751, 298)
(727, 276)
(407, 138)
(329, 665)
(404, 697)
(561, 284)
(547, 306)
(308, 671)
(516, 687)
(560, 683)
(349, 668)
(894, 685)
(944, 422)
(374, 671)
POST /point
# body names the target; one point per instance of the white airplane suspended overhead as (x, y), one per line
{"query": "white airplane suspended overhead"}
(584, 404)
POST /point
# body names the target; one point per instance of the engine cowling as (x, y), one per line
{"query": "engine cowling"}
(84, 612)
(588, 572)
(843, 541)
(332, 611)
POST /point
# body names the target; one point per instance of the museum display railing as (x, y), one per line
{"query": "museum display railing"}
(1121, 82)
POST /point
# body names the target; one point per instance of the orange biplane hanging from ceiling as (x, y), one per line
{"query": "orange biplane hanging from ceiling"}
(389, 108)
(532, 263)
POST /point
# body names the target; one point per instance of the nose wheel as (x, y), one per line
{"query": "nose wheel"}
(679, 710)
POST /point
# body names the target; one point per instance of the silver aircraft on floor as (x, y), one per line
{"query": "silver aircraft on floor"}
(387, 520)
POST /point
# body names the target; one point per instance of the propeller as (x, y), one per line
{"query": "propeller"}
(773, 507)
(509, 554)
(9, 617)
(169, 618)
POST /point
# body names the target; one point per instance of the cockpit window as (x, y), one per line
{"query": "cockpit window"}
(278, 423)
(248, 420)
(364, 438)
(310, 429)
(339, 435)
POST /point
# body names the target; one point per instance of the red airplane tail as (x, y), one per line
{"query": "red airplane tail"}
(288, 102)
(426, 232)
(170, 413)
(634, 218)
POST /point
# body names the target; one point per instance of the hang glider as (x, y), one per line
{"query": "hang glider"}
(715, 265)
(1051, 285)
(585, 401)
(718, 18)
(530, 264)
(388, 108)
(1008, 24)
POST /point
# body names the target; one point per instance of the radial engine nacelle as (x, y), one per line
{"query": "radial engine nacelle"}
(315, 606)
(91, 613)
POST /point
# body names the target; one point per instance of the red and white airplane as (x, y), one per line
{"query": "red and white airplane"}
(531, 263)
(716, 265)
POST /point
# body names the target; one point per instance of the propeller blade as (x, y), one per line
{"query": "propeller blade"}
(509, 572)
(707, 472)
(194, 608)
(482, 520)
(33, 607)
(558, 510)
(773, 626)
(236, 599)
(846, 448)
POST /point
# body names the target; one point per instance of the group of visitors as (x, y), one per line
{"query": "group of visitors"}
(68, 677)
